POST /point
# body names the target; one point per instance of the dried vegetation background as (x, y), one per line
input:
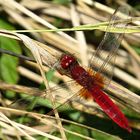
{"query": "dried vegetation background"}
(24, 61)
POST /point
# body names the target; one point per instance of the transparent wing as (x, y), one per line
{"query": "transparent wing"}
(64, 93)
(110, 45)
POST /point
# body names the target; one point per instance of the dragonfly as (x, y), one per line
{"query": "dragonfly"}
(95, 80)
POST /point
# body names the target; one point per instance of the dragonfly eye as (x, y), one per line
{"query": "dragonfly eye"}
(66, 61)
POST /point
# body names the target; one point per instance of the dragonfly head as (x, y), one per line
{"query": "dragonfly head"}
(67, 60)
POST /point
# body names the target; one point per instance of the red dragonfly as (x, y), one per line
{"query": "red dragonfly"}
(99, 75)
(97, 78)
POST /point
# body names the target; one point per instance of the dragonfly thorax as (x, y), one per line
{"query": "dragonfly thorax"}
(82, 77)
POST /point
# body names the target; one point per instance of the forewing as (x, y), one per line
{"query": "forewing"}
(110, 45)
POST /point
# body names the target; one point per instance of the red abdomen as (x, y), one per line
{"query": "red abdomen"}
(110, 108)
